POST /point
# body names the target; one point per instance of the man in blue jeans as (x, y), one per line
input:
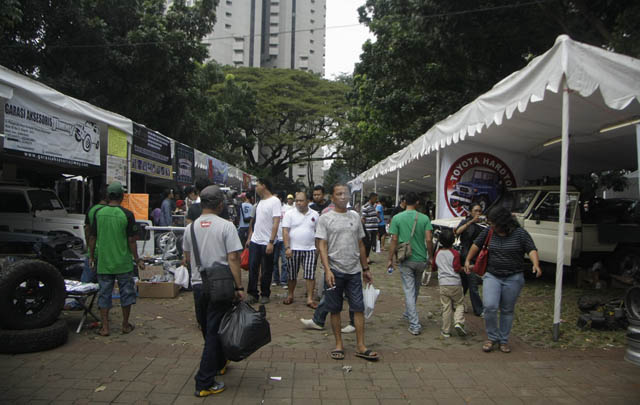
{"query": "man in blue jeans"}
(342, 253)
(413, 227)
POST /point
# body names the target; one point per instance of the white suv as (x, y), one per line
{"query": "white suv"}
(37, 210)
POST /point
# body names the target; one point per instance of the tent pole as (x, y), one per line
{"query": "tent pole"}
(638, 154)
(362, 195)
(129, 188)
(375, 186)
(435, 213)
(562, 210)
(397, 187)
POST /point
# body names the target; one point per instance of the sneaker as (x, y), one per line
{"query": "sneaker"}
(445, 334)
(285, 286)
(348, 329)
(251, 300)
(216, 388)
(309, 324)
(482, 315)
(273, 284)
(414, 332)
(264, 300)
(460, 329)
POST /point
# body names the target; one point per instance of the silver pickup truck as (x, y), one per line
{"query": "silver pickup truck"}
(609, 231)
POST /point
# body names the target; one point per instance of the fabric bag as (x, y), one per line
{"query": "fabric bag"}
(217, 280)
(483, 257)
(243, 331)
(370, 295)
(244, 259)
(403, 251)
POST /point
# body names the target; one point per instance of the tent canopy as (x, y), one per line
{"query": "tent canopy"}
(524, 111)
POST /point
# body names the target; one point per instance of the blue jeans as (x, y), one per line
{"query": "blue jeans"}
(88, 274)
(126, 285)
(500, 293)
(320, 314)
(280, 277)
(411, 273)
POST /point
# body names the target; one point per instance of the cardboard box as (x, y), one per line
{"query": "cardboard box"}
(157, 290)
(150, 271)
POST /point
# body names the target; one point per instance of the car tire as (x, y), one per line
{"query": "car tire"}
(32, 294)
(624, 261)
(34, 340)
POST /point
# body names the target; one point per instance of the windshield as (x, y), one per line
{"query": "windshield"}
(517, 201)
(44, 200)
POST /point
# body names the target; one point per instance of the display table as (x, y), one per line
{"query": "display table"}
(81, 292)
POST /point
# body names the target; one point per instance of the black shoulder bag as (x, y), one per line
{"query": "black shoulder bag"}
(217, 279)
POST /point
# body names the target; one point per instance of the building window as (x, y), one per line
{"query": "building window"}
(229, 3)
(227, 26)
(311, 32)
(312, 51)
(227, 14)
(313, 11)
(311, 41)
(313, 21)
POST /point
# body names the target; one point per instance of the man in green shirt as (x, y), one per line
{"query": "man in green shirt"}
(421, 251)
(88, 275)
(114, 229)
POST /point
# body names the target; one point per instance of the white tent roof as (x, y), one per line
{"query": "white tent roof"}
(523, 111)
(11, 81)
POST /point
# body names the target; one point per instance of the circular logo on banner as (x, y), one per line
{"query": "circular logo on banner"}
(476, 177)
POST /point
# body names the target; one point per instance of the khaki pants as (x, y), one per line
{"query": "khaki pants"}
(449, 295)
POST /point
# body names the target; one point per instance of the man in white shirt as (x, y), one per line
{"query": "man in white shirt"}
(262, 237)
(299, 229)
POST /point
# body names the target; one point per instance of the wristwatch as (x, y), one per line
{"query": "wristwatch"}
(271, 241)
(365, 269)
(240, 289)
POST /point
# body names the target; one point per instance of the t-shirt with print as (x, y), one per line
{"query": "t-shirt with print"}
(401, 226)
(216, 238)
(284, 210)
(302, 228)
(506, 253)
(343, 232)
(263, 223)
(112, 227)
(245, 215)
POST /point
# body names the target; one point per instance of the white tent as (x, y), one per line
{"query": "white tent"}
(573, 94)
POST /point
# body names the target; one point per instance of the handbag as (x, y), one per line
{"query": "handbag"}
(217, 280)
(244, 259)
(483, 257)
(403, 251)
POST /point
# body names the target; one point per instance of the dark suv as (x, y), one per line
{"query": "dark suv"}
(483, 188)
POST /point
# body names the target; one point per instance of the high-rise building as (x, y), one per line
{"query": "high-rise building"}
(288, 34)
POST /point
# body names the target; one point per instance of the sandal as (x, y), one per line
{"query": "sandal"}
(312, 305)
(488, 346)
(288, 301)
(368, 355)
(128, 329)
(504, 348)
(337, 354)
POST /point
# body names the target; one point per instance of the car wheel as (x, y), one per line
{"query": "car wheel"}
(32, 295)
(625, 262)
(86, 143)
(34, 340)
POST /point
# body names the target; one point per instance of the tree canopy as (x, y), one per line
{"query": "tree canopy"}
(431, 57)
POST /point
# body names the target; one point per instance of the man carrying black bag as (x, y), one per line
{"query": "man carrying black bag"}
(216, 242)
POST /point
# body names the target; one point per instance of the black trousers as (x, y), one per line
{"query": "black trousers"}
(258, 258)
(370, 241)
(213, 359)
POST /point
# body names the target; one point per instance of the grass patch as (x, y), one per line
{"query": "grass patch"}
(533, 321)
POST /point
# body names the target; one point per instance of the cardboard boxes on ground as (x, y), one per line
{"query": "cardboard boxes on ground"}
(152, 289)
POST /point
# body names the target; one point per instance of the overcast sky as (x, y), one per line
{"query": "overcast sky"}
(343, 44)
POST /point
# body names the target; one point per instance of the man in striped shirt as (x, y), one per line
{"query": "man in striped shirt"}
(370, 219)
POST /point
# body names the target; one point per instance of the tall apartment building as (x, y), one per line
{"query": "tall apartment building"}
(288, 34)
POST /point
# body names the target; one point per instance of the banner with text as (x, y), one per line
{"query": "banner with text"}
(184, 160)
(151, 153)
(43, 133)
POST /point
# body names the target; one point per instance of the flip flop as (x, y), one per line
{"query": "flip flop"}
(129, 330)
(100, 333)
(312, 305)
(288, 301)
(337, 354)
(367, 355)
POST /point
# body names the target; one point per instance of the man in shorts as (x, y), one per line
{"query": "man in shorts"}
(342, 253)
(114, 229)
(299, 229)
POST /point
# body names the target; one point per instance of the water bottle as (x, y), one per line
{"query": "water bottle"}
(390, 270)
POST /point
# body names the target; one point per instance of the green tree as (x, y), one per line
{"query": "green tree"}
(431, 57)
(132, 57)
(295, 114)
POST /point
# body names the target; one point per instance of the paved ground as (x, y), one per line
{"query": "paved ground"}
(157, 362)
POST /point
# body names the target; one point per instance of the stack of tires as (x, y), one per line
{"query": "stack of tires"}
(632, 306)
(32, 295)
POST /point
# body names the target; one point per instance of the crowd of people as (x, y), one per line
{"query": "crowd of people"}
(284, 233)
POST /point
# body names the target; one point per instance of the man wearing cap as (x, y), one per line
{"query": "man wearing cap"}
(114, 229)
(218, 242)
(290, 200)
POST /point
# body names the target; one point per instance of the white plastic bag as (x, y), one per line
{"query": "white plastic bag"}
(370, 296)
(181, 275)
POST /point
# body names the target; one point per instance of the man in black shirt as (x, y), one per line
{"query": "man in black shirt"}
(196, 209)
(319, 202)
(399, 208)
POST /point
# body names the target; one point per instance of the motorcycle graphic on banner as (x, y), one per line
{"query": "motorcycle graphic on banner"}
(476, 178)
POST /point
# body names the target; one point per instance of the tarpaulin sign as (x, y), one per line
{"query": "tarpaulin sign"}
(184, 161)
(151, 153)
(138, 204)
(218, 171)
(44, 133)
